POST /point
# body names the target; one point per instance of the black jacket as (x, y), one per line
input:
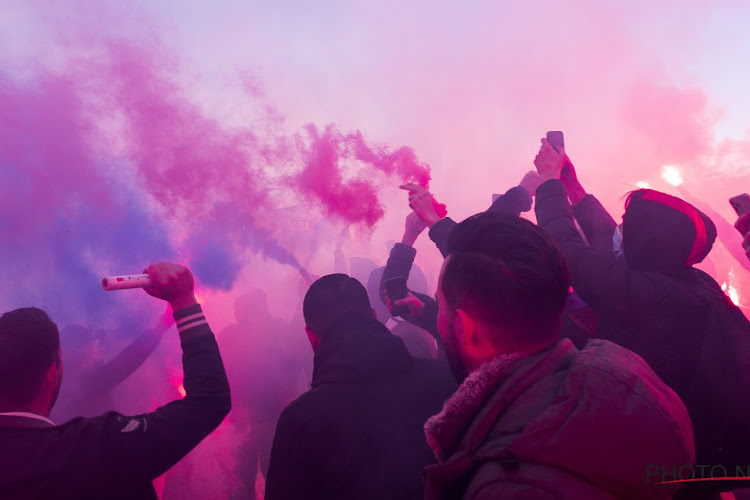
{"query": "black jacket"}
(115, 456)
(674, 316)
(515, 201)
(358, 433)
(577, 322)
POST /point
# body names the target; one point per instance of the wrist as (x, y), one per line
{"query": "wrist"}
(576, 193)
(183, 301)
(408, 239)
(431, 219)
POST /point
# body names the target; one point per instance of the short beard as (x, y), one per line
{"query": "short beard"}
(455, 361)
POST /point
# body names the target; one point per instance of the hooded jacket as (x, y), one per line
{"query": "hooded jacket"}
(358, 432)
(656, 304)
(560, 424)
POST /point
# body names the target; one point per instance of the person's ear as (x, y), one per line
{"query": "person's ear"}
(465, 327)
(314, 339)
(53, 377)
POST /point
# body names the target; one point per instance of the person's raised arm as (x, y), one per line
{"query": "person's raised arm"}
(743, 226)
(600, 278)
(402, 254)
(127, 361)
(339, 260)
(423, 204)
(595, 222)
(423, 313)
(143, 447)
(517, 199)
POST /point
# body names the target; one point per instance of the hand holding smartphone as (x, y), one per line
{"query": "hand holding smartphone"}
(396, 290)
(556, 139)
(741, 204)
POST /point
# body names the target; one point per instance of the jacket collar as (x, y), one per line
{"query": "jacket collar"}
(359, 352)
(497, 382)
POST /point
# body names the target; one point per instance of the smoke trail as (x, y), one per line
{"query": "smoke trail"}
(64, 219)
(141, 174)
(330, 155)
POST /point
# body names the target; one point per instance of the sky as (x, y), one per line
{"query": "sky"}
(198, 116)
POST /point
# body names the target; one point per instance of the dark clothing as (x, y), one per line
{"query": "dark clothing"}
(515, 201)
(675, 317)
(416, 280)
(597, 225)
(357, 433)
(115, 456)
(559, 424)
(401, 260)
(578, 321)
(399, 264)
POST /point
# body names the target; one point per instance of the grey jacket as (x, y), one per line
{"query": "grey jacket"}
(564, 424)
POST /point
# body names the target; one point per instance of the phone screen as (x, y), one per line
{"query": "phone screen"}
(396, 288)
(556, 139)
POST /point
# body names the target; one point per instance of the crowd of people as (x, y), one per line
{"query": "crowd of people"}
(574, 358)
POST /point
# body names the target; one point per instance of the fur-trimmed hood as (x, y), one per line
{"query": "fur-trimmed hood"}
(578, 424)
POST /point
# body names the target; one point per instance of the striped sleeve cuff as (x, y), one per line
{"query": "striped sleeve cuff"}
(191, 322)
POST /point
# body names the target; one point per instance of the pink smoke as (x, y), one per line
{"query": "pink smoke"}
(332, 155)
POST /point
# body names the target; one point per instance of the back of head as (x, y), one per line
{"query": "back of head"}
(333, 299)
(663, 233)
(29, 345)
(510, 274)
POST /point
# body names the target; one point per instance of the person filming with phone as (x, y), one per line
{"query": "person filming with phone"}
(651, 300)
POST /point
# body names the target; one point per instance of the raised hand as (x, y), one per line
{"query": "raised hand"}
(173, 283)
(548, 162)
(422, 202)
(413, 228)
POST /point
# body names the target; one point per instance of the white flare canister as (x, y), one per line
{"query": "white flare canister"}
(124, 282)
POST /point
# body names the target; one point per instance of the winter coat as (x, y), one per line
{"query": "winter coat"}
(357, 434)
(654, 303)
(559, 424)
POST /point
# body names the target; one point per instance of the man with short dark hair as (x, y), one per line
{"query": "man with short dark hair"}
(110, 456)
(534, 416)
(358, 432)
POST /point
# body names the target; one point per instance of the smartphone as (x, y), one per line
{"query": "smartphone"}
(556, 139)
(741, 204)
(396, 290)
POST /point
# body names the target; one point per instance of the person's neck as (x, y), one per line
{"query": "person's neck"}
(523, 350)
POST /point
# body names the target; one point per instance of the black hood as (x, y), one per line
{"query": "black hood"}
(663, 233)
(359, 351)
